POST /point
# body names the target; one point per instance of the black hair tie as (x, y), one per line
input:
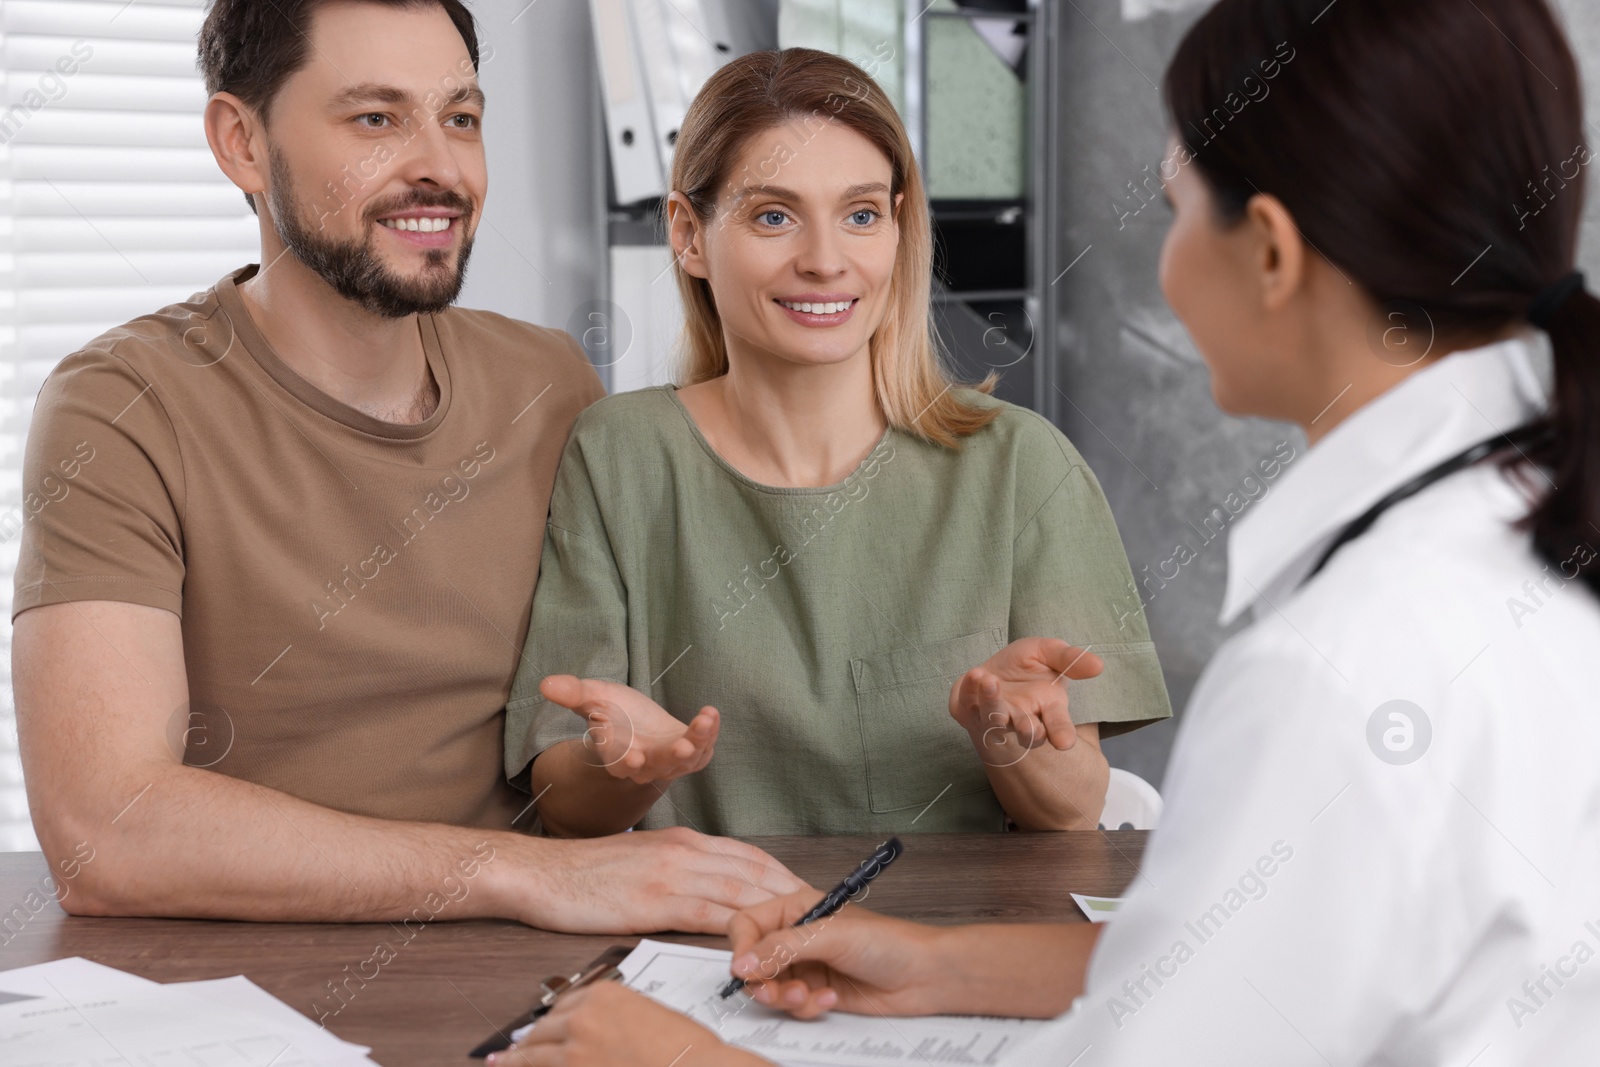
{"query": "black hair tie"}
(1552, 297)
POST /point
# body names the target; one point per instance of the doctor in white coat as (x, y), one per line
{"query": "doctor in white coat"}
(1380, 841)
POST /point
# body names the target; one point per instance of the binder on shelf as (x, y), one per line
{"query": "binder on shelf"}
(739, 27)
(655, 55)
(678, 56)
(636, 168)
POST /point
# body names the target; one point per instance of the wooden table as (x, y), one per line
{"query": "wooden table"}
(455, 982)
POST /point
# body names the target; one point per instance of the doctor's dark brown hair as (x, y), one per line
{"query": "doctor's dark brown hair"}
(1434, 151)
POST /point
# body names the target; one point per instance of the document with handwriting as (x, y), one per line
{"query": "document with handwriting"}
(688, 980)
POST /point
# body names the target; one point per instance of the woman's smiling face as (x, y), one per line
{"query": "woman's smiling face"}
(800, 254)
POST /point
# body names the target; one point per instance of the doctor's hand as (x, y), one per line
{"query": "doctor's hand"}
(1020, 692)
(632, 736)
(855, 961)
(610, 1025)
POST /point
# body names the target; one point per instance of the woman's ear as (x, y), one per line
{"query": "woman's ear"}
(687, 235)
(231, 128)
(1280, 252)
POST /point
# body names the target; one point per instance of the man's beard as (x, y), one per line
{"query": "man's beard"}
(354, 268)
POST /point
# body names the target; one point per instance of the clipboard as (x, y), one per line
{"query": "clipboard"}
(602, 968)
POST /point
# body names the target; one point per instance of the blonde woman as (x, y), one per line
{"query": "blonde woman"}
(861, 585)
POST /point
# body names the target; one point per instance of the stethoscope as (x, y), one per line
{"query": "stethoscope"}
(1462, 460)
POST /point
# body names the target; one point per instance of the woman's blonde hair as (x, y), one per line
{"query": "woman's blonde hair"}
(762, 90)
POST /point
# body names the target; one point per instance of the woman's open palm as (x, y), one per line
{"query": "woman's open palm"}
(632, 736)
(1018, 693)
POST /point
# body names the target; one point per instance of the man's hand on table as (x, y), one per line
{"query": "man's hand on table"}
(641, 883)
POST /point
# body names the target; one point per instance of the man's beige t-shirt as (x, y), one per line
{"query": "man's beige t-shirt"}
(354, 593)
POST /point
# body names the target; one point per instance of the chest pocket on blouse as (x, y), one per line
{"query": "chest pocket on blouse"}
(914, 749)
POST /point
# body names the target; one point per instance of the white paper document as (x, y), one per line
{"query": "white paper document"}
(87, 978)
(74, 1013)
(688, 980)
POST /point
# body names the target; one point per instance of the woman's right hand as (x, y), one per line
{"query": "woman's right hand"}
(630, 735)
(855, 961)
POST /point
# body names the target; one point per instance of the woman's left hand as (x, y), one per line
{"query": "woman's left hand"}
(610, 1025)
(1019, 692)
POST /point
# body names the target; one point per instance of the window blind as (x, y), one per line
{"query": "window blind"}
(110, 207)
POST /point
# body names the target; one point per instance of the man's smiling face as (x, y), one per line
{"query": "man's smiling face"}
(378, 173)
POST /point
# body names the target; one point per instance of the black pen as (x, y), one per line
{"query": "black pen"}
(855, 882)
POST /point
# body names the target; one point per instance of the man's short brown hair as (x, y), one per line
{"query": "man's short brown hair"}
(251, 47)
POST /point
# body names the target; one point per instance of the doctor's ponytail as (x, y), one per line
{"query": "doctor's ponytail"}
(1566, 521)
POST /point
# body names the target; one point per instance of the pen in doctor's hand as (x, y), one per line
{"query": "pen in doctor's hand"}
(854, 883)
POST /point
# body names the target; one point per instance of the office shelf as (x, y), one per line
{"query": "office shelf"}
(997, 257)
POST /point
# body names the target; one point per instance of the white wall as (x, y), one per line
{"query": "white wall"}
(537, 255)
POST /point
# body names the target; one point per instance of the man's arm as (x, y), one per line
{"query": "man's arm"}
(97, 685)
